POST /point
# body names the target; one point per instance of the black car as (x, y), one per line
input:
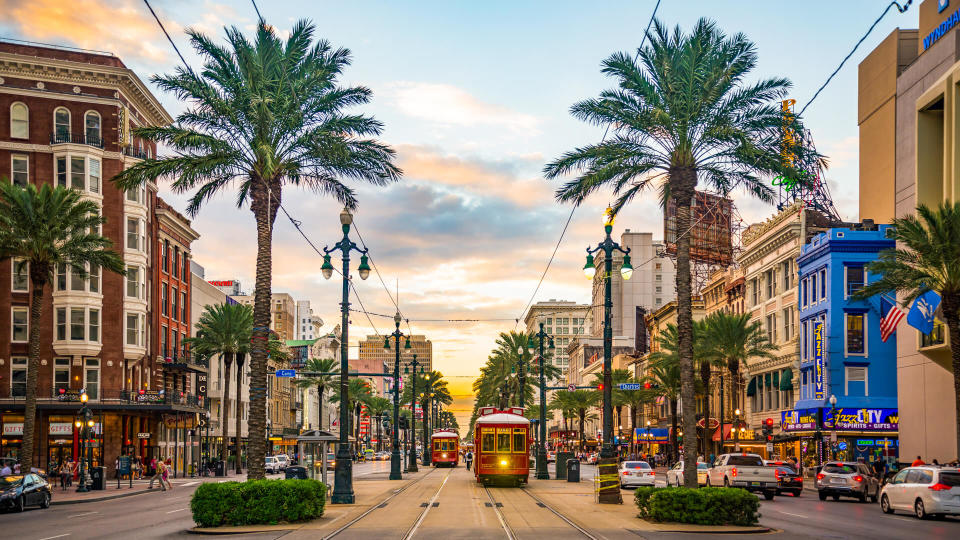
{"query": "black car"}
(17, 491)
(789, 481)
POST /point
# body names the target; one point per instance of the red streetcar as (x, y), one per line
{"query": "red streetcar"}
(502, 446)
(446, 448)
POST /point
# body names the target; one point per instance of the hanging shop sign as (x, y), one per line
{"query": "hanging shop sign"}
(13, 429)
(862, 419)
(151, 396)
(143, 435)
(202, 384)
(818, 384)
(798, 420)
(61, 428)
(67, 394)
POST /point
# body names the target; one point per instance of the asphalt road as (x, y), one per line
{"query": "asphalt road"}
(167, 515)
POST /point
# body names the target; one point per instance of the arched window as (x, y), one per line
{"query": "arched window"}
(61, 124)
(91, 127)
(19, 121)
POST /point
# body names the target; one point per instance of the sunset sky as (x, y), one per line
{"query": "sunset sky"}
(475, 99)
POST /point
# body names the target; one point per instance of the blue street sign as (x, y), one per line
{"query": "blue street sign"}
(286, 373)
(629, 386)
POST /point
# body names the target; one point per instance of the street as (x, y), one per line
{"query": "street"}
(447, 503)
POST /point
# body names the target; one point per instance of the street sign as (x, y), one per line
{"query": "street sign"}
(769, 447)
(629, 386)
(286, 373)
(571, 387)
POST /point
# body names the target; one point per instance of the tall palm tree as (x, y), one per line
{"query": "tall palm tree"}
(357, 391)
(580, 403)
(617, 377)
(927, 259)
(263, 115)
(225, 330)
(665, 375)
(41, 230)
(320, 366)
(560, 401)
(377, 406)
(684, 114)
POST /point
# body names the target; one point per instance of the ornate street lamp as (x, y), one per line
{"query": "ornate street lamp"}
(395, 459)
(84, 422)
(343, 471)
(412, 457)
(542, 473)
(608, 246)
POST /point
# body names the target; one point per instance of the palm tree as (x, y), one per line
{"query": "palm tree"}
(357, 391)
(731, 341)
(225, 330)
(925, 261)
(376, 407)
(42, 230)
(262, 115)
(617, 377)
(580, 402)
(665, 371)
(320, 367)
(636, 399)
(684, 113)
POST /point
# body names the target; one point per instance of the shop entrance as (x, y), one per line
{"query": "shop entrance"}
(60, 451)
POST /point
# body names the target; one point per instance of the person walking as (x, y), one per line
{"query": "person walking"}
(166, 474)
(468, 459)
(917, 462)
(6, 470)
(158, 469)
(64, 474)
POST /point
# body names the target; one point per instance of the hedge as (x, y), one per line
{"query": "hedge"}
(703, 506)
(257, 502)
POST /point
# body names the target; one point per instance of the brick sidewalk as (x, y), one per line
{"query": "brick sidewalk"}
(70, 495)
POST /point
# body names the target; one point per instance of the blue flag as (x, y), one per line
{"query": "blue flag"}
(921, 314)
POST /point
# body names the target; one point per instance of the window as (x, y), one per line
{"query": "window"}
(503, 440)
(855, 333)
(786, 267)
(519, 440)
(61, 324)
(183, 306)
(823, 284)
(657, 266)
(856, 381)
(61, 374)
(854, 278)
(91, 378)
(166, 256)
(20, 324)
(183, 344)
(185, 269)
(20, 170)
(133, 282)
(77, 283)
(19, 121)
(936, 337)
(20, 275)
(78, 173)
(61, 124)
(659, 289)
(176, 345)
(789, 316)
(164, 292)
(77, 324)
(93, 175)
(813, 288)
(18, 377)
(754, 291)
(173, 301)
(137, 195)
(134, 331)
(771, 281)
(772, 328)
(93, 326)
(659, 301)
(93, 278)
(163, 341)
(91, 127)
(804, 289)
(176, 262)
(135, 234)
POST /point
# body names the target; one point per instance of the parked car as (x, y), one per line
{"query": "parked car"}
(331, 460)
(284, 461)
(551, 456)
(847, 479)
(926, 491)
(17, 491)
(675, 474)
(592, 458)
(743, 471)
(636, 473)
(271, 464)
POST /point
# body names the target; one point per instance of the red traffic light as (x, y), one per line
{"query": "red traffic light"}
(646, 386)
(769, 438)
(769, 422)
(600, 386)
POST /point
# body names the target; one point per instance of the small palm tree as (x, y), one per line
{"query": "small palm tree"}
(43, 229)
(617, 377)
(357, 390)
(927, 259)
(684, 114)
(664, 374)
(225, 330)
(263, 115)
(377, 407)
(320, 366)
(580, 403)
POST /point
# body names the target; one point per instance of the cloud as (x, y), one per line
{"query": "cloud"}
(448, 105)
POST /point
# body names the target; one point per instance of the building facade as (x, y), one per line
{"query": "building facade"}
(308, 324)
(908, 108)
(565, 321)
(66, 117)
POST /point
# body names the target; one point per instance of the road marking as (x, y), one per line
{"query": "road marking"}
(57, 536)
(791, 514)
(177, 510)
(189, 484)
(433, 501)
(83, 514)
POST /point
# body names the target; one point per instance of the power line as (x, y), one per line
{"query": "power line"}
(255, 8)
(147, 2)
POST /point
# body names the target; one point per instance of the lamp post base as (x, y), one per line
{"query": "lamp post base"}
(542, 473)
(395, 465)
(343, 477)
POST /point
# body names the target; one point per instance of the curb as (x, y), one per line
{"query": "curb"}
(217, 531)
(758, 530)
(106, 498)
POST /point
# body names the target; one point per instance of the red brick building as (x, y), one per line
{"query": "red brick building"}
(66, 117)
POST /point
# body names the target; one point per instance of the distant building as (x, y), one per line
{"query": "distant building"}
(307, 325)
(564, 321)
(227, 286)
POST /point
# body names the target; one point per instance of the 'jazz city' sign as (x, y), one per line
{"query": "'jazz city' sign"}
(819, 392)
(865, 419)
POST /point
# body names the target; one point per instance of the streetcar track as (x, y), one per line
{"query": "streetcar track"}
(511, 535)
(426, 509)
(559, 515)
(496, 509)
(377, 506)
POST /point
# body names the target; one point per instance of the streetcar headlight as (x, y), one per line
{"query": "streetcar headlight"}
(443, 455)
(503, 462)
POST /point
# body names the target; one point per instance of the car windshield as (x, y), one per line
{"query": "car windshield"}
(745, 461)
(951, 479)
(786, 470)
(839, 468)
(702, 466)
(636, 465)
(10, 481)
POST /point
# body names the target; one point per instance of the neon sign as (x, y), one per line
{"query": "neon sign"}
(819, 392)
(790, 184)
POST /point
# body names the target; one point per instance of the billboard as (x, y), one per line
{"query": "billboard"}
(798, 420)
(818, 385)
(710, 231)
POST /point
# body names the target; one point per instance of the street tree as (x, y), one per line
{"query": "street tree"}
(260, 116)
(683, 114)
(377, 407)
(42, 231)
(321, 378)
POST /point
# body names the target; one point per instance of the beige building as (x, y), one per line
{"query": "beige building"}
(565, 321)
(908, 117)
(768, 260)
(373, 353)
(283, 313)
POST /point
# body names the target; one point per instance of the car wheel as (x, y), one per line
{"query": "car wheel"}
(836, 497)
(822, 495)
(726, 482)
(20, 504)
(768, 495)
(885, 505)
(919, 510)
(45, 503)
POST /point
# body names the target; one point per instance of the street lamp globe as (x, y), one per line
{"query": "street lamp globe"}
(78, 423)
(90, 423)
(364, 268)
(397, 319)
(737, 412)
(346, 218)
(83, 397)
(833, 400)
(326, 268)
(589, 269)
(648, 423)
(626, 270)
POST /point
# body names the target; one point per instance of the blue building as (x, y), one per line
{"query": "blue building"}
(841, 353)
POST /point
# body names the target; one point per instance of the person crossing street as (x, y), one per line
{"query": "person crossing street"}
(158, 475)
(468, 459)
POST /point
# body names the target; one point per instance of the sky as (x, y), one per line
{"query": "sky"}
(475, 99)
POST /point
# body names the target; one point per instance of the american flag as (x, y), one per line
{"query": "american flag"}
(890, 321)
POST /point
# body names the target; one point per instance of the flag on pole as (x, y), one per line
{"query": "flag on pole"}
(890, 321)
(923, 311)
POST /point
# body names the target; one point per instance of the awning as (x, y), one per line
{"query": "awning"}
(786, 380)
(752, 387)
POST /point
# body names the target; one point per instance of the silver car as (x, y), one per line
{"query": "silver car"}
(636, 473)
(927, 491)
(847, 479)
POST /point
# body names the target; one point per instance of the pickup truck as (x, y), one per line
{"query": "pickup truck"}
(743, 471)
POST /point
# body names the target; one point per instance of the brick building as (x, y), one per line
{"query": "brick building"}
(66, 117)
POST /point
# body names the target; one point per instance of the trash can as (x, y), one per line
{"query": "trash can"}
(96, 477)
(221, 469)
(562, 459)
(573, 470)
(296, 473)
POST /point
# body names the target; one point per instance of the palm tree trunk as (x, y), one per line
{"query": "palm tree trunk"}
(705, 378)
(224, 425)
(582, 413)
(951, 311)
(38, 280)
(674, 448)
(264, 203)
(240, 359)
(320, 406)
(683, 180)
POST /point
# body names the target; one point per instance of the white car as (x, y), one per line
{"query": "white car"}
(272, 464)
(636, 473)
(284, 461)
(926, 491)
(675, 474)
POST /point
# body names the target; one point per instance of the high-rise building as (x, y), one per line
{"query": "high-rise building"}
(227, 286)
(565, 321)
(283, 313)
(308, 325)
(372, 353)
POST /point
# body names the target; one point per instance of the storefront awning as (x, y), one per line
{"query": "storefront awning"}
(786, 379)
(752, 387)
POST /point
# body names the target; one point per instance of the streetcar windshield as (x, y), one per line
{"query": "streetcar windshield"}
(503, 441)
(519, 440)
(487, 442)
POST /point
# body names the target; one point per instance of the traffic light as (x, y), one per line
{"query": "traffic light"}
(768, 429)
(600, 387)
(646, 386)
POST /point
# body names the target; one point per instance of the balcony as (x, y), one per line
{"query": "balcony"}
(70, 397)
(135, 152)
(185, 361)
(69, 138)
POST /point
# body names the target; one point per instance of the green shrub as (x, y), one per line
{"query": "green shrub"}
(257, 502)
(703, 506)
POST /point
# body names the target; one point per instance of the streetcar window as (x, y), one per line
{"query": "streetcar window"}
(436, 446)
(487, 442)
(519, 440)
(503, 440)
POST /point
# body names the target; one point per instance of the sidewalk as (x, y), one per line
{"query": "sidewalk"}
(70, 496)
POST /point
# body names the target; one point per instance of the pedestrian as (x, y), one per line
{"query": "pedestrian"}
(6, 469)
(64, 474)
(16, 468)
(917, 462)
(158, 469)
(166, 474)
(935, 462)
(468, 459)
(153, 467)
